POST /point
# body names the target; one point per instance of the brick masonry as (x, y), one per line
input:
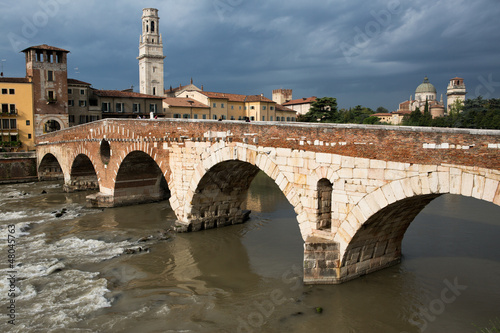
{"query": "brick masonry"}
(381, 177)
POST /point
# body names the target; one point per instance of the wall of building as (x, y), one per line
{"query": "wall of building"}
(15, 167)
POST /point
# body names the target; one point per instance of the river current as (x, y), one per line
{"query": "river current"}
(120, 270)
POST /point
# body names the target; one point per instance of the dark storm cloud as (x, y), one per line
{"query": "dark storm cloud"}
(371, 53)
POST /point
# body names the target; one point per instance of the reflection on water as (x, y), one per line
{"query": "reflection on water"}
(243, 278)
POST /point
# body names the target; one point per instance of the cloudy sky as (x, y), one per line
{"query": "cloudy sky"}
(373, 53)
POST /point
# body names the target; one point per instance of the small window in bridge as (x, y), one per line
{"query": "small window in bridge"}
(105, 151)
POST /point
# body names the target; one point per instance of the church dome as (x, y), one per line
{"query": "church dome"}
(425, 87)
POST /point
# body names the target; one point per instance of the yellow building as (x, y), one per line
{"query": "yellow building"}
(16, 120)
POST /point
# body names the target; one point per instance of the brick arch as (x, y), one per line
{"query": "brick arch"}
(261, 161)
(84, 174)
(138, 179)
(371, 235)
(51, 173)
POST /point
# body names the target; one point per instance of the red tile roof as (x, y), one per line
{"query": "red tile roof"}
(184, 102)
(280, 107)
(301, 101)
(382, 114)
(15, 79)
(123, 94)
(45, 47)
(74, 81)
(236, 97)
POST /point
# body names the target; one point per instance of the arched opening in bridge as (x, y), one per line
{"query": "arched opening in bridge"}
(378, 243)
(51, 126)
(105, 151)
(50, 169)
(325, 189)
(139, 180)
(220, 195)
(83, 175)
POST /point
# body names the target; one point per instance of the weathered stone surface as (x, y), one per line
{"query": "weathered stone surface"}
(353, 201)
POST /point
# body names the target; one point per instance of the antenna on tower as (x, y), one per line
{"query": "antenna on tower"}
(1, 72)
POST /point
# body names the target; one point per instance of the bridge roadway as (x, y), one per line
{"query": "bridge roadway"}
(355, 188)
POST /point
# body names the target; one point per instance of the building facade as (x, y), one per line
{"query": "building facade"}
(46, 68)
(16, 119)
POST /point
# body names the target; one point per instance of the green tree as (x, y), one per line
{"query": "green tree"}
(322, 110)
(381, 109)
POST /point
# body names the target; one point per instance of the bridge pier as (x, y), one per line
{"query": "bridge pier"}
(81, 184)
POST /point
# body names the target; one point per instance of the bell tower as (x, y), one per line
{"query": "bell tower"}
(455, 91)
(151, 54)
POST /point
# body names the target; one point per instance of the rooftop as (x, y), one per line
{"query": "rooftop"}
(45, 47)
(14, 79)
(123, 94)
(304, 100)
(184, 102)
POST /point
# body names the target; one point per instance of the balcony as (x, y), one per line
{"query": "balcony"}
(51, 100)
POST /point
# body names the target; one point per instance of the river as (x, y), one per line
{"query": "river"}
(83, 270)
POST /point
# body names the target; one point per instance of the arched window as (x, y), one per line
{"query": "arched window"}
(152, 26)
(325, 189)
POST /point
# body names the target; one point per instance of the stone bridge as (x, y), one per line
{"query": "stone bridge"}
(355, 189)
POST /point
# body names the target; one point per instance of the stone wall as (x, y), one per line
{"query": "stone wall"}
(16, 167)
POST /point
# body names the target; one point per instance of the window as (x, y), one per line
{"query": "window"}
(136, 108)
(263, 118)
(252, 107)
(153, 108)
(71, 102)
(13, 109)
(152, 26)
(29, 135)
(223, 117)
(222, 105)
(5, 108)
(154, 69)
(185, 116)
(215, 105)
(27, 122)
(287, 118)
(71, 118)
(232, 117)
(82, 91)
(120, 107)
(240, 107)
(106, 107)
(83, 119)
(82, 103)
(5, 123)
(271, 108)
(252, 118)
(215, 117)
(12, 91)
(51, 97)
(263, 107)
(94, 118)
(50, 76)
(154, 91)
(13, 123)
(177, 115)
(195, 116)
(4, 91)
(232, 107)
(293, 118)
(204, 116)
(70, 91)
(271, 118)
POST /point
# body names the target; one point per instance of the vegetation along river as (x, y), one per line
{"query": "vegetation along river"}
(84, 270)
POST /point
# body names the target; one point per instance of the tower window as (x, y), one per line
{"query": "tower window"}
(50, 76)
(153, 26)
(154, 91)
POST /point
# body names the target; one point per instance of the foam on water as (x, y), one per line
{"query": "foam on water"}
(49, 292)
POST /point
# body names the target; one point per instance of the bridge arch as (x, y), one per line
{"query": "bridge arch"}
(233, 168)
(83, 174)
(370, 238)
(139, 179)
(49, 168)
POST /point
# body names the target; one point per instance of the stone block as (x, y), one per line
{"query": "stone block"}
(377, 164)
(490, 188)
(389, 194)
(398, 190)
(478, 188)
(323, 158)
(467, 184)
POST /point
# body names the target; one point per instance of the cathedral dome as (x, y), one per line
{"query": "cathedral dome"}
(425, 87)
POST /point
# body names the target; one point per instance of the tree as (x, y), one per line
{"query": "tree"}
(322, 110)
(381, 109)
